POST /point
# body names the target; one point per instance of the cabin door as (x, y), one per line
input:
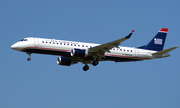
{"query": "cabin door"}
(36, 42)
(136, 52)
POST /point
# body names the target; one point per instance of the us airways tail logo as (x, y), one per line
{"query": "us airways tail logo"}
(158, 41)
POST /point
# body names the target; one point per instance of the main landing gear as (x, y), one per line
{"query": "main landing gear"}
(86, 67)
(94, 63)
(29, 58)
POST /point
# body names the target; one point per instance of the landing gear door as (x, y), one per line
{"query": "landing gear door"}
(36, 42)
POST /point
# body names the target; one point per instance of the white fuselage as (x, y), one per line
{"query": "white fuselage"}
(62, 48)
(72, 52)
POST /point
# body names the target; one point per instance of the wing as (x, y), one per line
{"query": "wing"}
(106, 47)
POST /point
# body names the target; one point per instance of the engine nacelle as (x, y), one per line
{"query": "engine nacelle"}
(79, 53)
(64, 61)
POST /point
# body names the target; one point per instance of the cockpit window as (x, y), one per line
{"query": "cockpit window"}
(23, 40)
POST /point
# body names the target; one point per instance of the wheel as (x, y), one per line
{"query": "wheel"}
(29, 59)
(94, 63)
(86, 67)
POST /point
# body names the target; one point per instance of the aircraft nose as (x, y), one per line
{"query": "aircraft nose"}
(15, 46)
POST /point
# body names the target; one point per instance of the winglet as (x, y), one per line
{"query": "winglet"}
(130, 34)
(132, 31)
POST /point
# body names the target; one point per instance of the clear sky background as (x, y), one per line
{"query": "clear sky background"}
(41, 83)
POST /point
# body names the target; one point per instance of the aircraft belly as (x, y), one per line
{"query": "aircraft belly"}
(49, 52)
(119, 59)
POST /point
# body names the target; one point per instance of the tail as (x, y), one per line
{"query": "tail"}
(157, 43)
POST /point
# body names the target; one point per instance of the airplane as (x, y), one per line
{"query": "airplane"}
(72, 52)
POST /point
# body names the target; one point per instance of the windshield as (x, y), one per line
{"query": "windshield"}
(23, 40)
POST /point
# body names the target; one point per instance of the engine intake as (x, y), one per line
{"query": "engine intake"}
(64, 61)
(79, 53)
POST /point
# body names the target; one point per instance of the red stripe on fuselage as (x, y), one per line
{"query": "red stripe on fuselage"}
(123, 56)
(51, 49)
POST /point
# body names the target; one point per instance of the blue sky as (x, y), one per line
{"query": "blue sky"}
(43, 83)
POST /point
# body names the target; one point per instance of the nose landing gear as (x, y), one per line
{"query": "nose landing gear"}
(29, 58)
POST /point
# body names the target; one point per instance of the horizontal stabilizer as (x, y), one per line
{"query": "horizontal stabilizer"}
(164, 51)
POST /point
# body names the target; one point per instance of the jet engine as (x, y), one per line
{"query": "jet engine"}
(64, 61)
(79, 53)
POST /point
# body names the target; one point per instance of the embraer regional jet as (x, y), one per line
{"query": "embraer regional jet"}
(72, 52)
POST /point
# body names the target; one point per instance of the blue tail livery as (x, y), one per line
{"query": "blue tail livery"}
(157, 43)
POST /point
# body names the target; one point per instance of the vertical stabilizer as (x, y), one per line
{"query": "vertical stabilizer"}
(157, 43)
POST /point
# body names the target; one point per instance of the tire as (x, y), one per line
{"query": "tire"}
(85, 68)
(29, 59)
(95, 63)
